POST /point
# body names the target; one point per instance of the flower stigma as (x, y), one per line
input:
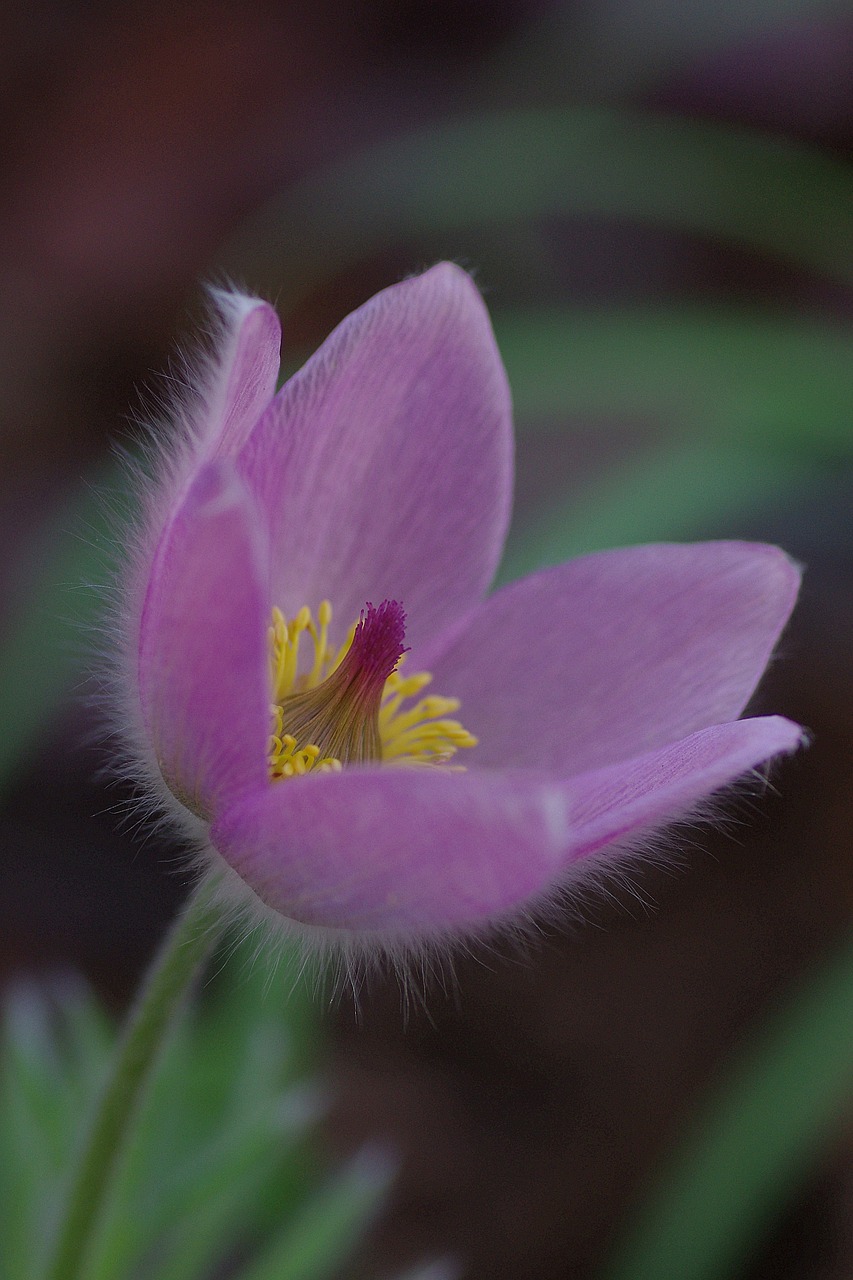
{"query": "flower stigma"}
(353, 705)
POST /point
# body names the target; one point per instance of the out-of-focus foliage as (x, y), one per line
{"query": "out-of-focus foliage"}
(224, 1163)
(754, 1142)
(674, 491)
(739, 186)
(762, 378)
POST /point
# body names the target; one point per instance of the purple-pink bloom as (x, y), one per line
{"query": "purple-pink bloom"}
(603, 695)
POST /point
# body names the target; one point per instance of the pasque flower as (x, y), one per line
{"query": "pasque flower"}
(321, 689)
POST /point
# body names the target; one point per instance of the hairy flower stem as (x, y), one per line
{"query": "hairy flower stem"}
(158, 1005)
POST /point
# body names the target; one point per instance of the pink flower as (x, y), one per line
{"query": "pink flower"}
(572, 711)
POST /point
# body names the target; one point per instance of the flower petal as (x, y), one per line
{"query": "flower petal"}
(403, 851)
(203, 680)
(614, 802)
(413, 853)
(615, 654)
(243, 371)
(385, 464)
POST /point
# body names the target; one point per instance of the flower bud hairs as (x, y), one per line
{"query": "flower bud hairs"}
(364, 745)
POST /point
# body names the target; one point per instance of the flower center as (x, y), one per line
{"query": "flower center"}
(352, 706)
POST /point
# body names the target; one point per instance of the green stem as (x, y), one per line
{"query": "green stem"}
(179, 961)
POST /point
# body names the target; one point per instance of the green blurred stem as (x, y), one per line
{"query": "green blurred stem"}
(158, 1005)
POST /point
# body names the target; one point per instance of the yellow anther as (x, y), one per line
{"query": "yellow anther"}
(329, 765)
(437, 737)
(398, 689)
(427, 709)
(418, 734)
(321, 642)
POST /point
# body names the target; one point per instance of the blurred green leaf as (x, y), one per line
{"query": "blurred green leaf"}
(681, 490)
(739, 375)
(33, 1126)
(217, 1230)
(745, 187)
(224, 1160)
(317, 1242)
(193, 1206)
(220, 1142)
(758, 1139)
(47, 1081)
(196, 1249)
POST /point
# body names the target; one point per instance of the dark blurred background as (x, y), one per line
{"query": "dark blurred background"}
(151, 146)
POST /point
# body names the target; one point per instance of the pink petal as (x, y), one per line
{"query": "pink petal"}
(385, 465)
(415, 852)
(243, 372)
(397, 850)
(203, 681)
(615, 654)
(617, 801)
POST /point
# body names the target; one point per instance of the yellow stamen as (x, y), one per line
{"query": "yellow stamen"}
(284, 651)
(394, 731)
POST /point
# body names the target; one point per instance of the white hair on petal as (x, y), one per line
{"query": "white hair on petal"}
(156, 466)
